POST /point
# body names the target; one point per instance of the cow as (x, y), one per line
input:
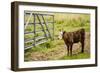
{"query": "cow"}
(73, 37)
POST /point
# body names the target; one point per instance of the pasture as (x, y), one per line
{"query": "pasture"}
(56, 49)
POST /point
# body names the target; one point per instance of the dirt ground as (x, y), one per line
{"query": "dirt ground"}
(60, 52)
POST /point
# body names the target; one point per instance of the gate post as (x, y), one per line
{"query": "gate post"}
(34, 30)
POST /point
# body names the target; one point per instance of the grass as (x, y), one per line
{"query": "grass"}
(66, 21)
(79, 56)
(46, 47)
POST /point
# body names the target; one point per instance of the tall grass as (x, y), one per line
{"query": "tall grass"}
(71, 22)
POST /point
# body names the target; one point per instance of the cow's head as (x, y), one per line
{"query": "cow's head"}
(60, 34)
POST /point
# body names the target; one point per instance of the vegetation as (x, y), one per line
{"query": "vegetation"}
(48, 51)
(79, 56)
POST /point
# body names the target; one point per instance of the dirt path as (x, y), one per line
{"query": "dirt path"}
(60, 52)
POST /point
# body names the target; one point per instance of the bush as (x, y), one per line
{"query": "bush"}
(47, 44)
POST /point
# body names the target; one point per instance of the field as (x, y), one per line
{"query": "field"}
(56, 49)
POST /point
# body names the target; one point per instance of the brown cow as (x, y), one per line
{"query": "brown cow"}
(73, 37)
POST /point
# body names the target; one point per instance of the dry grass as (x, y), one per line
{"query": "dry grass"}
(60, 52)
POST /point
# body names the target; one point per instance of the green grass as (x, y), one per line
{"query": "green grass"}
(46, 47)
(78, 56)
(50, 46)
(66, 21)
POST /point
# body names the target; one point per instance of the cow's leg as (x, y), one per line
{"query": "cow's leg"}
(82, 42)
(71, 49)
(67, 50)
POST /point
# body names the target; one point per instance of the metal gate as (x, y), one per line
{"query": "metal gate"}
(40, 23)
